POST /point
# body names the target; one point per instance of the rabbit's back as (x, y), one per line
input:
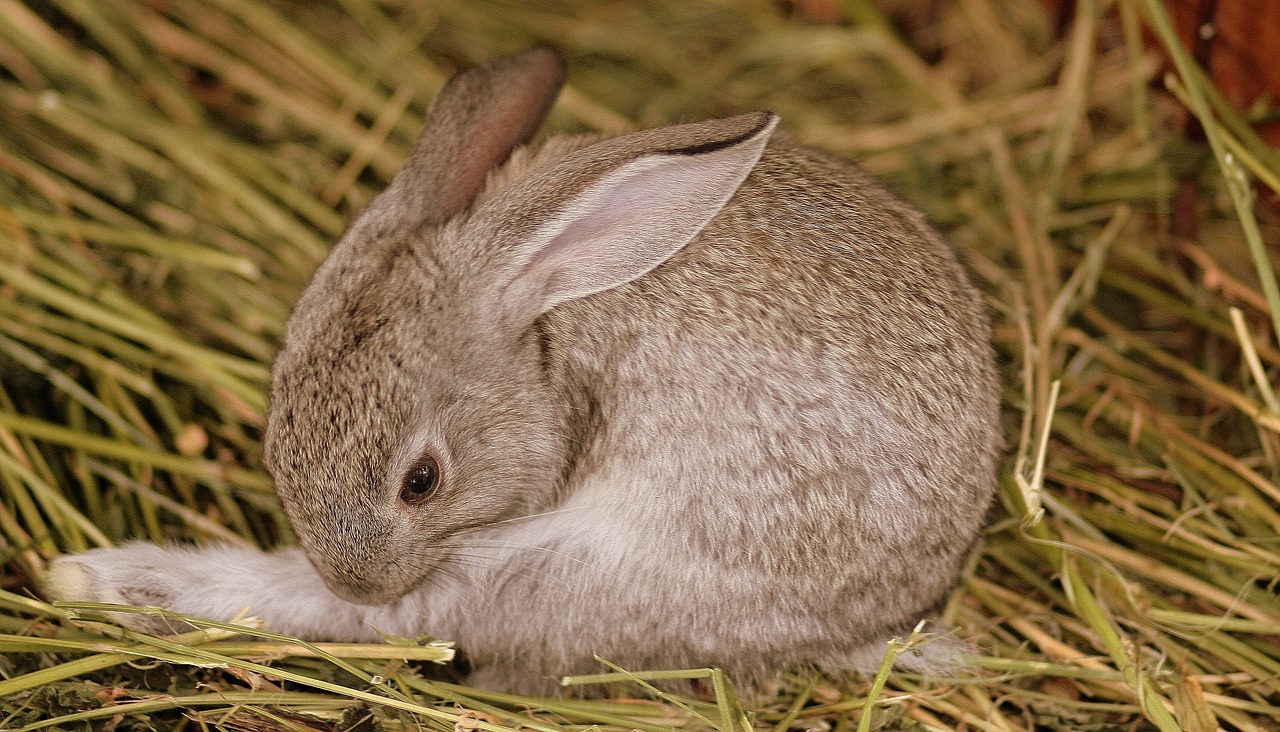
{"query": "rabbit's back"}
(816, 308)
(805, 393)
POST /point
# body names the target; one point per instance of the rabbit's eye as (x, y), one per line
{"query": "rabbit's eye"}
(421, 481)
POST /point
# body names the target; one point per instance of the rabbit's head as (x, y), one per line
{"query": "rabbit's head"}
(410, 402)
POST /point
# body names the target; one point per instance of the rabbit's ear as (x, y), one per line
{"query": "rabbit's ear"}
(636, 213)
(476, 120)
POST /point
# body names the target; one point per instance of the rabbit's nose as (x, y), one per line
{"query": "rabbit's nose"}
(353, 555)
(363, 581)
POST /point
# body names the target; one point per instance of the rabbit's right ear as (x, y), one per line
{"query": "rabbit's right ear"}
(611, 212)
(473, 124)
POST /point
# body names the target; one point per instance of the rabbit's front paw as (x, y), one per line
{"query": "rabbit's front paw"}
(133, 574)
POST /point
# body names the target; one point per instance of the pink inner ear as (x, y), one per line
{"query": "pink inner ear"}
(633, 220)
(624, 222)
(586, 238)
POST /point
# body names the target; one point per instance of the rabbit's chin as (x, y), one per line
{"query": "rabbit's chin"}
(378, 587)
(376, 591)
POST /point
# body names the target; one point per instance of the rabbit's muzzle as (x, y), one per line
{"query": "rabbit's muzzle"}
(358, 563)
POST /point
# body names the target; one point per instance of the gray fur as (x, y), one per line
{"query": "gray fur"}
(764, 441)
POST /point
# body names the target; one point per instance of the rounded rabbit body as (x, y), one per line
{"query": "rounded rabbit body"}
(688, 396)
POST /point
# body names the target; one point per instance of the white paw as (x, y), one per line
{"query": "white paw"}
(132, 574)
(67, 579)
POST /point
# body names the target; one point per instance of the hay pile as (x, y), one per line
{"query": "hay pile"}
(172, 170)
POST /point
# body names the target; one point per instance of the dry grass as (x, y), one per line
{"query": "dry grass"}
(172, 170)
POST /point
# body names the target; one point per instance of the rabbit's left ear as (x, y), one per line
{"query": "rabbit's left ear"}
(626, 205)
(474, 123)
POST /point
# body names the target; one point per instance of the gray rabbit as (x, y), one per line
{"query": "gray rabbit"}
(689, 396)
